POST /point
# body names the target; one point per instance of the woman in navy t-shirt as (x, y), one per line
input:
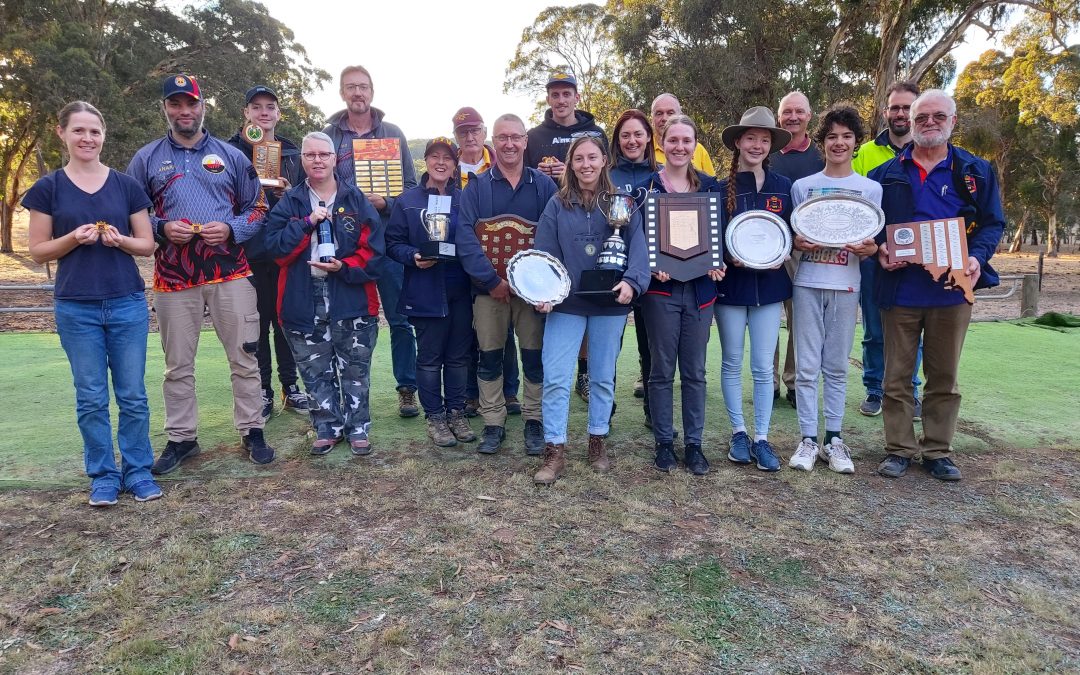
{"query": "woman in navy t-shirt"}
(92, 220)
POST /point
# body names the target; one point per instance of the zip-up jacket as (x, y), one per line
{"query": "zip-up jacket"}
(358, 237)
(627, 175)
(424, 292)
(873, 154)
(550, 139)
(745, 286)
(575, 236)
(975, 180)
(704, 288)
(291, 170)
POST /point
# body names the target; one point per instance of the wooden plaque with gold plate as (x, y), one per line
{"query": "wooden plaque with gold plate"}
(939, 246)
(377, 165)
(502, 236)
(265, 155)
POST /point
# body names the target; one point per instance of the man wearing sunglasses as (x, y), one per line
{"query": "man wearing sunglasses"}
(931, 180)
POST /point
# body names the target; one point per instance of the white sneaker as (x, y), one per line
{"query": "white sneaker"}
(805, 455)
(838, 455)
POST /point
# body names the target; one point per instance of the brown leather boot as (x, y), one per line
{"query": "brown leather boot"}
(439, 432)
(554, 464)
(598, 457)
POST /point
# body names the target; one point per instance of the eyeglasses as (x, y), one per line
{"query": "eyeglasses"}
(939, 117)
(893, 109)
(512, 138)
(474, 132)
(321, 156)
(351, 88)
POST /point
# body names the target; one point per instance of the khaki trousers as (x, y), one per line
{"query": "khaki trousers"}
(943, 330)
(491, 320)
(234, 314)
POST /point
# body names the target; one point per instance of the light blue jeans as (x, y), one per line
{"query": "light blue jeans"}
(103, 337)
(562, 340)
(764, 324)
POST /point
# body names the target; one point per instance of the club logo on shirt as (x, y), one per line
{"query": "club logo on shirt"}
(774, 204)
(213, 163)
(969, 181)
(348, 223)
(166, 165)
(590, 249)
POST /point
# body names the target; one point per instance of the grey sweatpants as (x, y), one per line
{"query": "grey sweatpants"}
(826, 321)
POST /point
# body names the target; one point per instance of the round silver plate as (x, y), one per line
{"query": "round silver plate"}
(837, 219)
(537, 276)
(758, 239)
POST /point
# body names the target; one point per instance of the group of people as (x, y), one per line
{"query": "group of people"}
(316, 258)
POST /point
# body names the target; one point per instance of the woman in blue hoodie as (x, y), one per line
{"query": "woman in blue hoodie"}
(678, 316)
(573, 228)
(436, 298)
(751, 298)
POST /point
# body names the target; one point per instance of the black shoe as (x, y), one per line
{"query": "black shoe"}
(776, 394)
(472, 407)
(695, 460)
(294, 399)
(534, 438)
(258, 451)
(648, 419)
(490, 439)
(791, 398)
(893, 466)
(267, 403)
(666, 460)
(174, 453)
(942, 468)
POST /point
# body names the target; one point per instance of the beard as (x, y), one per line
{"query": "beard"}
(900, 129)
(188, 132)
(933, 140)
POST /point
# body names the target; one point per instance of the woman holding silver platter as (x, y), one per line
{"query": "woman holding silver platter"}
(751, 295)
(573, 229)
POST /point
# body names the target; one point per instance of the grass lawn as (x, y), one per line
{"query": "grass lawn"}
(438, 561)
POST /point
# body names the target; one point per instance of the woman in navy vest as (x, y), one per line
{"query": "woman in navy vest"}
(751, 299)
(93, 221)
(436, 297)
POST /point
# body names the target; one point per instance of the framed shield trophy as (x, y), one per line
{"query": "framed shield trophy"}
(938, 246)
(682, 232)
(502, 236)
(265, 156)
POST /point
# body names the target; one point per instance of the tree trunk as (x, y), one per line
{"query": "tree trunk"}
(1052, 243)
(1034, 237)
(894, 23)
(6, 244)
(1018, 238)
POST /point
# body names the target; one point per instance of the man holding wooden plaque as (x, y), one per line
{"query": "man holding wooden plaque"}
(943, 221)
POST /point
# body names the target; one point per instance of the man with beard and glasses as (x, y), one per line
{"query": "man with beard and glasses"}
(872, 154)
(360, 119)
(207, 201)
(931, 180)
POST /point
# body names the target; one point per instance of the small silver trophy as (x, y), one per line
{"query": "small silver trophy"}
(597, 284)
(437, 247)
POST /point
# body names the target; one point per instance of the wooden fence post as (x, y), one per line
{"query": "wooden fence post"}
(1029, 296)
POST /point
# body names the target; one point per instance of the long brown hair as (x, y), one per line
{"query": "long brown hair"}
(650, 146)
(569, 188)
(692, 176)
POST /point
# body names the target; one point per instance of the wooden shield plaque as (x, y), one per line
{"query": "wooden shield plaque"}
(939, 246)
(502, 236)
(682, 232)
(265, 156)
(377, 166)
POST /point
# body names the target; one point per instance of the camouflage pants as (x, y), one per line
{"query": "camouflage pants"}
(335, 363)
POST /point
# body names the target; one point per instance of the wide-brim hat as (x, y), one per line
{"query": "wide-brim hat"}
(758, 117)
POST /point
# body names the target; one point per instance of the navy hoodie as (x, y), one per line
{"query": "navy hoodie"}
(553, 140)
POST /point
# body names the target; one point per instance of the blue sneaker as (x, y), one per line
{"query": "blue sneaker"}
(104, 495)
(145, 491)
(739, 451)
(763, 454)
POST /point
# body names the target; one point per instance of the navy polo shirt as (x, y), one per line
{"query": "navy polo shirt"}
(935, 197)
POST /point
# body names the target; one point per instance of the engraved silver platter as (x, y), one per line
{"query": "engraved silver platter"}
(537, 276)
(837, 219)
(758, 239)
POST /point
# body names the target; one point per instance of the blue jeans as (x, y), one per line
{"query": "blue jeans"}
(562, 340)
(732, 322)
(102, 337)
(402, 339)
(873, 342)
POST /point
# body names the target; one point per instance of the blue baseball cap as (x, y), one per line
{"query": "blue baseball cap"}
(180, 84)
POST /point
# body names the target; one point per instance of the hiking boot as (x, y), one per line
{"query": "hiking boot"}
(439, 432)
(871, 407)
(763, 453)
(805, 455)
(459, 426)
(598, 457)
(267, 403)
(258, 451)
(554, 464)
(174, 453)
(893, 466)
(104, 495)
(472, 407)
(665, 459)
(695, 460)
(942, 468)
(639, 387)
(294, 399)
(582, 386)
(917, 416)
(145, 491)
(490, 439)
(838, 454)
(406, 401)
(791, 398)
(739, 448)
(534, 437)
(513, 405)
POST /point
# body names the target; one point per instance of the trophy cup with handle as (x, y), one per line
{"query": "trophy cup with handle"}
(437, 247)
(611, 262)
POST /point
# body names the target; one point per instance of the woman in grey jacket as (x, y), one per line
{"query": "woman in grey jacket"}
(573, 228)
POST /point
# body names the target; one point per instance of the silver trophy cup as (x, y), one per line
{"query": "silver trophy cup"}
(621, 207)
(437, 247)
